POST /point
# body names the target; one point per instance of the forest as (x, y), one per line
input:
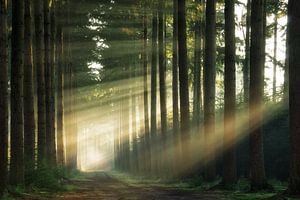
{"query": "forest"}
(150, 99)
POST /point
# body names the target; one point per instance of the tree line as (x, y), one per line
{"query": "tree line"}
(37, 90)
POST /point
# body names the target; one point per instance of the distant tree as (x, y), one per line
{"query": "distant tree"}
(3, 96)
(294, 82)
(229, 171)
(17, 76)
(154, 72)
(257, 168)
(162, 70)
(29, 119)
(197, 102)
(209, 83)
(146, 102)
(175, 67)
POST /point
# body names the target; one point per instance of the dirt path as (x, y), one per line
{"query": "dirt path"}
(105, 187)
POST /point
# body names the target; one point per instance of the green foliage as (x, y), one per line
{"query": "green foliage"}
(50, 179)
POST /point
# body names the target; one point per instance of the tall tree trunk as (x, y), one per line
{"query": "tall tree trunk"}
(246, 66)
(3, 96)
(29, 119)
(60, 83)
(52, 81)
(154, 88)
(275, 57)
(146, 108)
(229, 173)
(209, 85)
(47, 80)
(183, 75)
(175, 67)
(197, 67)
(154, 73)
(257, 169)
(294, 72)
(40, 73)
(162, 71)
(17, 76)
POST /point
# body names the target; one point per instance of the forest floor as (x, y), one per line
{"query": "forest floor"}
(115, 186)
(107, 187)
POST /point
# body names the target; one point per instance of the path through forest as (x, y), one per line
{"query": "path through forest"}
(103, 186)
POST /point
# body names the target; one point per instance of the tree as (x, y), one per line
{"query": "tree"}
(154, 86)
(257, 169)
(60, 100)
(47, 35)
(175, 67)
(40, 73)
(52, 85)
(276, 7)
(183, 70)
(294, 81)
(197, 66)
(209, 83)
(29, 119)
(229, 171)
(246, 66)
(162, 70)
(146, 104)
(17, 67)
(3, 95)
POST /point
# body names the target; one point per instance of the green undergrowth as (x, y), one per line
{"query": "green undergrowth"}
(239, 191)
(43, 182)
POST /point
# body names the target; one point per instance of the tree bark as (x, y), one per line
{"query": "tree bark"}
(3, 96)
(175, 94)
(275, 57)
(294, 82)
(246, 66)
(257, 169)
(29, 118)
(40, 73)
(162, 71)
(183, 68)
(229, 169)
(209, 85)
(17, 78)
(197, 101)
(60, 83)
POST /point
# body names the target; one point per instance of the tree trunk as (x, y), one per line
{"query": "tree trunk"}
(52, 81)
(60, 83)
(229, 173)
(257, 169)
(3, 96)
(162, 71)
(209, 85)
(40, 73)
(17, 76)
(175, 68)
(29, 119)
(183, 78)
(275, 57)
(294, 71)
(197, 67)
(146, 109)
(246, 65)
(154, 89)
(47, 80)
